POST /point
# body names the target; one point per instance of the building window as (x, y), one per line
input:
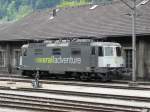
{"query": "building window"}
(2, 58)
(128, 58)
(17, 54)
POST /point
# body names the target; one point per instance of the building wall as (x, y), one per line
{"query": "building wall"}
(142, 55)
(9, 56)
(3, 58)
(146, 58)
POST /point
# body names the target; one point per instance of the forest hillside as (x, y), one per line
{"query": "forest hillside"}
(12, 10)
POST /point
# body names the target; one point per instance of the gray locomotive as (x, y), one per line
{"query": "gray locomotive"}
(83, 60)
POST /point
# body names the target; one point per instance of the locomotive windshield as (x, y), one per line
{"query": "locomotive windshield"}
(108, 51)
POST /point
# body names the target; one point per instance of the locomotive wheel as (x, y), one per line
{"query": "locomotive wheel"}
(76, 76)
(84, 77)
(102, 77)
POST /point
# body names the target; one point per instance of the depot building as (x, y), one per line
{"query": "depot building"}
(106, 22)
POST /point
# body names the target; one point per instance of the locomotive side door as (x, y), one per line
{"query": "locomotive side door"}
(93, 57)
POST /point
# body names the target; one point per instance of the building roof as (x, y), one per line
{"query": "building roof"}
(102, 21)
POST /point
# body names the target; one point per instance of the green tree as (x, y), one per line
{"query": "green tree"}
(11, 11)
(23, 11)
(69, 3)
(17, 9)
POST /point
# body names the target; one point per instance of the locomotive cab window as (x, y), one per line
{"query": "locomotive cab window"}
(56, 51)
(75, 51)
(100, 51)
(108, 51)
(118, 51)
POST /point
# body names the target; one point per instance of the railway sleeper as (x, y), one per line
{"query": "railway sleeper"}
(52, 107)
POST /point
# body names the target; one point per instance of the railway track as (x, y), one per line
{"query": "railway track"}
(11, 76)
(93, 95)
(59, 105)
(89, 95)
(51, 104)
(115, 84)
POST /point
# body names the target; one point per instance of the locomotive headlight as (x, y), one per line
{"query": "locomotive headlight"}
(121, 65)
(88, 68)
(116, 61)
(108, 65)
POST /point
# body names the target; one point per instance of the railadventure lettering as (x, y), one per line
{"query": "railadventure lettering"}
(58, 60)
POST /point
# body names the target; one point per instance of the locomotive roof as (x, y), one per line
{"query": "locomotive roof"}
(67, 44)
(105, 44)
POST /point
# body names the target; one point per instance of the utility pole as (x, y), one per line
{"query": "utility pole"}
(133, 9)
(134, 41)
